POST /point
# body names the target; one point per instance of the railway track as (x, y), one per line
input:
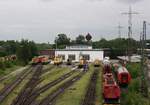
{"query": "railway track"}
(51, 98)
(8, 75)
(90, 94)
(11, 86)
(38, 91)
(27, 90)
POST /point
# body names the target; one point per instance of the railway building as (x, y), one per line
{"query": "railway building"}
(74, 52)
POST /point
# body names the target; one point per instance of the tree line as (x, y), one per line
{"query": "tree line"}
(117, 47)
(24, 50)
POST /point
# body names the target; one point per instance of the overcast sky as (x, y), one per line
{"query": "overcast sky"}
(42, 20)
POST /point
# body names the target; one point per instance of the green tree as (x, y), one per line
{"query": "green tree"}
(62, 39)
(26, 50)
(80, 39)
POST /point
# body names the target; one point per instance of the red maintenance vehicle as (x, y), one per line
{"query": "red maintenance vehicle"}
(123, 76)
(40, 59)
(110, 88)
(106, 66)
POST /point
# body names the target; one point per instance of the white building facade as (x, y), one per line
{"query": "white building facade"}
(76, 51)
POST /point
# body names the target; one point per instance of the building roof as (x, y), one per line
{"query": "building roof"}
(79, 46)
(78, 49)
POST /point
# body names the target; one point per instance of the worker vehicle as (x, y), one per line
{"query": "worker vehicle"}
(35, 61)
(106, 66)
(69, 61)
(45, 60)
(58, 60)
(40, 59)
(123, 76)
(110, 89)
(96, 63)
(82, 62)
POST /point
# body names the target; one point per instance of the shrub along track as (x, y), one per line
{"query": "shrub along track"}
(51, 98)
(11, 86)
(91, 91)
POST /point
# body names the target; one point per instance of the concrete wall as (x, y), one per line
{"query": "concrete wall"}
(93, 54)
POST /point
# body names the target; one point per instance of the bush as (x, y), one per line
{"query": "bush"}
(134, 86)
(2, 65)
(133, 98)
(8, 64)
(134, 69)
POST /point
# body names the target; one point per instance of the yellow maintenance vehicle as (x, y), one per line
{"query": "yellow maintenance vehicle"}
(97, 63)
(58, 60)
(82, 61)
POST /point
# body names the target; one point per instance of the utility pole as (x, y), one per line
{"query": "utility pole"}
(129, 13)
(144, 72)
(119, 30)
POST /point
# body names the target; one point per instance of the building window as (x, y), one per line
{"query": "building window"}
(71, 56)
(63, 56)
(86, 56)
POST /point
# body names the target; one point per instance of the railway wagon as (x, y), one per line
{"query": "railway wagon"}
(97, 63)
(123, 76)
(111, 90)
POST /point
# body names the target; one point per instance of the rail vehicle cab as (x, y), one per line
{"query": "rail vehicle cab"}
(97, 63)
(111, 91)
(123, 76)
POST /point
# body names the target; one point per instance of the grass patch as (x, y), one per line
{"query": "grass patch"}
(99, 98)
(9, 99)
(53, 74)
(6, 71)
(75, 94)
(46, 93)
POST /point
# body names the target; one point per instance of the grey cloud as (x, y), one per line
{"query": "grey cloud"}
(129, 1)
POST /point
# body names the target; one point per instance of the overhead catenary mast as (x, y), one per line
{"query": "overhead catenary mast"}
(130, 13)
(144, 71)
